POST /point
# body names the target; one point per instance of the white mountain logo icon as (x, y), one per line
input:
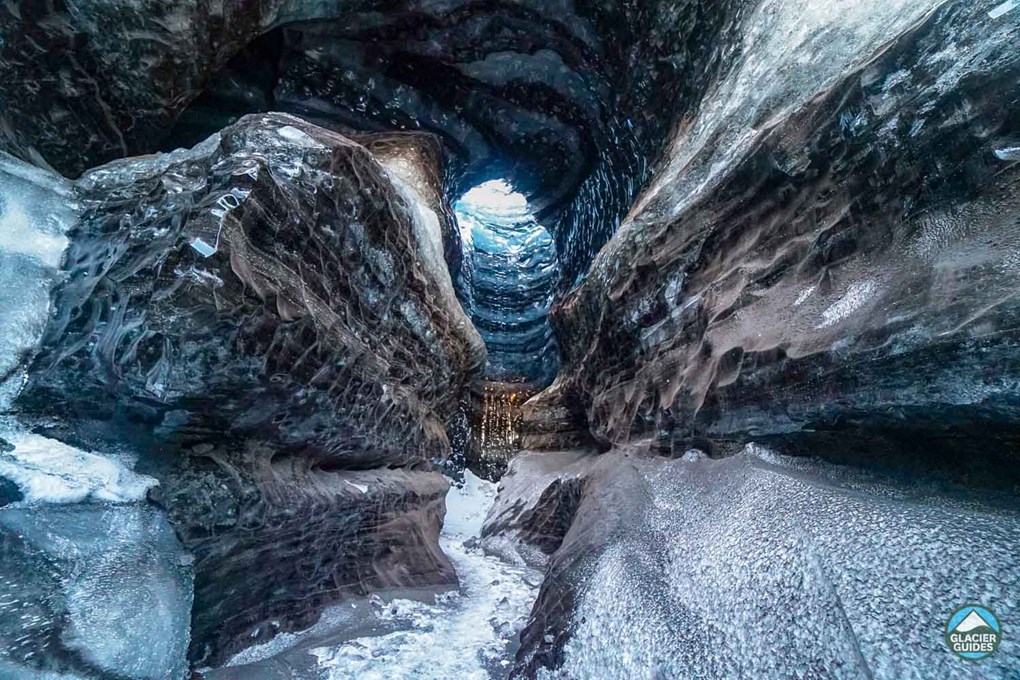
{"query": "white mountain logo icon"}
(972, 621)
(975, 632)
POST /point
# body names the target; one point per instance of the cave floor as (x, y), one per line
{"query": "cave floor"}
(468, 633)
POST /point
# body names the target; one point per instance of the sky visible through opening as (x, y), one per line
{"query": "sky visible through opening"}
(510, 273)
(494, 195)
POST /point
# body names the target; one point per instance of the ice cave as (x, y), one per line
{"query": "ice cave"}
(509, 339)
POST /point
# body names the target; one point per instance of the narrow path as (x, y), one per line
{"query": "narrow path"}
(470, 634)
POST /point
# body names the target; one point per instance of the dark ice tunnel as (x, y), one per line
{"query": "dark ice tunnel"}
(509, 276)
(509, 339)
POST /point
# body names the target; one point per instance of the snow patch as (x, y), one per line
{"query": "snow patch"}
(48, 471)
(855, 297)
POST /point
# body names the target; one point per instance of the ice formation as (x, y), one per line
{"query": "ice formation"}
(467, 633)
(728, 289)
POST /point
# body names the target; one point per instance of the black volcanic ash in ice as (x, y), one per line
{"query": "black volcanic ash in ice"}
(268, 317)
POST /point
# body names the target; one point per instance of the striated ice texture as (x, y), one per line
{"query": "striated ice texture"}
(92, 591)
(762, 566)
(466, 634)
(789, 51)
(36, 210)
(509, 276)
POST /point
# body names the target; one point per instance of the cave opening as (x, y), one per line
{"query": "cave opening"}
(509, 273)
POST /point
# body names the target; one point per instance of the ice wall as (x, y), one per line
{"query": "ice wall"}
(93, 582)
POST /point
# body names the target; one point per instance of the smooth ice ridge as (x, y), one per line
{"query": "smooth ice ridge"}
(48, 471)
(468, 635)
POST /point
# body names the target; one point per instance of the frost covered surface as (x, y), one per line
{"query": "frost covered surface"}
(36, 210)
(87, 588)
(92, 591)
(49, 471)
(762, 565)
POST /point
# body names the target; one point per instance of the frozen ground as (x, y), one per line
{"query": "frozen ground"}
(468, 634)
(751, 566)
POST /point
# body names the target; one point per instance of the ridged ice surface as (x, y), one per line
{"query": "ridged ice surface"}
(509, 275)
(762, 566)
(789, 50)
(469, 633)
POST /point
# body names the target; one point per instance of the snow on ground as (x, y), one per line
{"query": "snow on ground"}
(48, 471)
(465, 635)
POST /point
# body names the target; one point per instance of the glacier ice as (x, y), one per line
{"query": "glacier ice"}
(92, 582)
(1002, 9)
(469, 633)
(1008, 154)
(467, 636)
(758, 564)
(92, 590)
(36, 211)
(51, 471)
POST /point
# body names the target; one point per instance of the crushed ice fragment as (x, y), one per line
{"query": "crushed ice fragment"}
(203, 248)
(1008, 154)
(1005, 7)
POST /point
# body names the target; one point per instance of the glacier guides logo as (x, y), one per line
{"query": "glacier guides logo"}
(973, 632)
